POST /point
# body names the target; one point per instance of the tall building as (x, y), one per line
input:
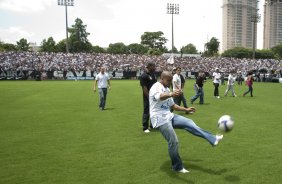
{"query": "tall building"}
(272, 33)
(239, 23)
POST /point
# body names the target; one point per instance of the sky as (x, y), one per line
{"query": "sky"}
(112, 21)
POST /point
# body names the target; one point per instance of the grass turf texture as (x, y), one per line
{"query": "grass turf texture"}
(53, 132)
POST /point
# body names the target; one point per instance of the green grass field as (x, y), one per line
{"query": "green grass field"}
(53, 132)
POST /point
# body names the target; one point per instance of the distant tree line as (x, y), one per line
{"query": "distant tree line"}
(152, 43)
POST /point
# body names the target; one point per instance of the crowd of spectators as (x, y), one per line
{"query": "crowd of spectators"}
(42, 62)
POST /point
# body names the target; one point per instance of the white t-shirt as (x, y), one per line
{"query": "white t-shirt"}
(216, 77)
(159, 110)
(176, 79)
(231, 80)
(102, 80)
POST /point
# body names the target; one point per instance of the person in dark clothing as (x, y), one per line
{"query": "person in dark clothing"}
(240, 78)
(147, 79)
(183, 99)
(198, 86)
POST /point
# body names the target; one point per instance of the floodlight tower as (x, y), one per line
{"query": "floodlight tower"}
(255, 19)
(172, 9)
(66, 3)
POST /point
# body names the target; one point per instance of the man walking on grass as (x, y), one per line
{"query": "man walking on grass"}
(102, 79)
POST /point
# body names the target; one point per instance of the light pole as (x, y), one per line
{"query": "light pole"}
(172, 9)
(255, 19)
(66, 3)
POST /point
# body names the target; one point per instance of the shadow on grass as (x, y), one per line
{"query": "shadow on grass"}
(166, 167)
(206, 170)
(109, 109)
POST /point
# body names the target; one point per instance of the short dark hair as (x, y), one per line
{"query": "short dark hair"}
(149, 64)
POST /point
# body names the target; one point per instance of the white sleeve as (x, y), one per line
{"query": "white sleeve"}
(174, 79)
(156, 93)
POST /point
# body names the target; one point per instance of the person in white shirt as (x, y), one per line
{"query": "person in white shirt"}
(161, 101)
(216, 80)
(177, 85)
(103, 81)
(230, 84)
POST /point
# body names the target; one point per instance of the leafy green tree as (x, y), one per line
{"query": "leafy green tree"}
(212, 47)
(61, 46)
(7, 47)
(97, 49)
(241, 52)
(238, 52)
(117, 48)
(154, 40)
(277, 50)
(264, 54)
(154, 52)
(78, 37)
(174, 50)
(22, 45)
(189, 49)
(136, 48)
(48, 45)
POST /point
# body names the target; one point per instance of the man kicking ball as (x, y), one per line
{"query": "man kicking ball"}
(161, 101)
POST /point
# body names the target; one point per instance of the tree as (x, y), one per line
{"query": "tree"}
(241, 52)
(136, 48)
(154, 40)
(174, 50)
(22, 45)
(264, 54)
(189, 49)
(7, 47)
(277, 50)
(97, 49)
(48, 45)
(238, 52)
(154, 52)
(78, 37)
(61, 46)
(212, 47)
(117, 48)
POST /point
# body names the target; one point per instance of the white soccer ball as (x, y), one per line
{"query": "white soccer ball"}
(225, 123)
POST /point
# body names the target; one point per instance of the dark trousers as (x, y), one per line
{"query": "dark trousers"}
(249, 91)
(146, 113)
(177, 100)
(216, 85)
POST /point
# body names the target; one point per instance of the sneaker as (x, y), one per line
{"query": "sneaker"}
(218, 138)
(218, 97)
(183, 170)
(147, 131)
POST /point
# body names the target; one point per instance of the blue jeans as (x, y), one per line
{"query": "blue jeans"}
(103, 97)
(199, 93)
(169, 134)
